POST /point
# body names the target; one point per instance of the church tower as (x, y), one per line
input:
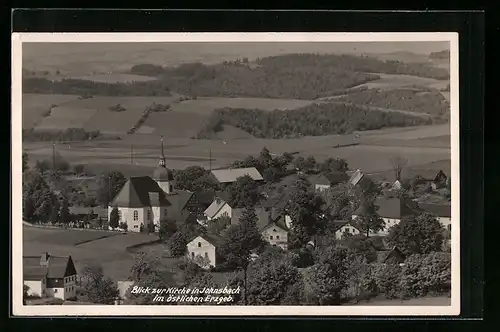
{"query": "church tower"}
(162, 175)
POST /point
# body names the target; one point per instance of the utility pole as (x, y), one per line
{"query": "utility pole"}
(53, 157)
(210, 160)
(131, 154)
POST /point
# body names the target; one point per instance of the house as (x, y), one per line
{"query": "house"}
(343, 227)
(391, 256)
(396, 185)
(325, 181)
(230, 175)
(273, 227)
(391, 210)
(204, 250)
(218, 208)
(144, 201)
(439, 180)
(359, 179)
(50, 276)
(441, 211)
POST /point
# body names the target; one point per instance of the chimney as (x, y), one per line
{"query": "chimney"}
(44, 259)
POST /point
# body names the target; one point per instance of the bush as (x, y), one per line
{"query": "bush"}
(387, 278)
(301, 258)
(426, 274)
(124, 226)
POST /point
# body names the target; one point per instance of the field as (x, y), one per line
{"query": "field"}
(35, 105)
(108, 252)
(115, 77)
(388, 81)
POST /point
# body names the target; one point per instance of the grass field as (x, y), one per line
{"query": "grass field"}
(115, 78)
(388, 81)
(35, 105)
(108, 252)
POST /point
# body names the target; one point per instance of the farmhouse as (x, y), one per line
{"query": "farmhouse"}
(392, 210)
(204, 250)
(219, 208)
(325, 181)
(342, 228)
(441, 211)
(273, 227)
(230, 175)
(50, 276)
(391, 256)
(359, 179)
(144, 201)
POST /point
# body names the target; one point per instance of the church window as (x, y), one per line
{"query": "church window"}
(199, 244)
(136, 215)
(277, 237)
(192, 254)
(170, 188)
(149, 214)
(119, 215)
(206, 255)
(165, 212)
(271, 237)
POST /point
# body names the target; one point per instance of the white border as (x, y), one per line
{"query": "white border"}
(160, 310)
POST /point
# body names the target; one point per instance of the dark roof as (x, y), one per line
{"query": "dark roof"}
(385, 255)
(328, 179)
(212, 238)
(58, 267)
(439, 210)
(136, 193)
(340, 223)
(178, 200)
(84, 210)
(395, 208)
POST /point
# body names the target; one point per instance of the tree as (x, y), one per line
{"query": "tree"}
(42, 166)
(109, 186)
(98, 288)
(79, 169)
(61, 164)
(274, 283)
(25, 162)
(328, 277)
(168, 227)
(64, 214)
(283, 161)
(216, 226)
(193, 178)
(299, 163)
(244, 192)
(362, 246)
(421, 234)
(305, 209)
(333, 165)
(265, 158)
(114, 218)
(397, 164)
(26, 290)
(38, 199)
(240, 241)
(369, 221)
(310, 164)
(177, 244)
(54, 215)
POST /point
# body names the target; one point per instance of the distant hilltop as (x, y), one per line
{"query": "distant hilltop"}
(445, 54)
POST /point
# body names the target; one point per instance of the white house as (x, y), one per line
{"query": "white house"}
(391, 210)
(345, 227)
(441, 211)
(218, 208)
(203, 250)
(145, 201)
(324, 181)
(50, 276)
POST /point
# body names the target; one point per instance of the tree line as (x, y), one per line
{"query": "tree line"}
(66, 135)
(312, 120)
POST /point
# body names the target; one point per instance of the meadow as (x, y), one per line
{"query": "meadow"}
(109, 252)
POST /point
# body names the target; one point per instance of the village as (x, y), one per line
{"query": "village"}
(233, 216)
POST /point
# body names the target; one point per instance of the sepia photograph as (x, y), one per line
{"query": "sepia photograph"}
(225, 174)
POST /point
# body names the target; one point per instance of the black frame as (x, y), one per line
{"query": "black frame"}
(471, 28)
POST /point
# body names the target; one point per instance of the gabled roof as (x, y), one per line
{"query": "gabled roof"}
(58, 267)
(328, 179)
(214, 239)
(395, 208)
(177, 208)
(385, 255)
(338, 224)
(232, 174)
(264, 218)
(439, 210)
(356, 177)
(136, 193)
(215, 207)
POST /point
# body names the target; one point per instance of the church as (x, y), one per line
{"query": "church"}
(144, 201)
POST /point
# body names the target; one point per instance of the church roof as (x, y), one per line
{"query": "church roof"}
(136, 193)
(162, 174)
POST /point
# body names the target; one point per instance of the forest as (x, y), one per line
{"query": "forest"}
(92, 88)
(70, 134)
(312, 120)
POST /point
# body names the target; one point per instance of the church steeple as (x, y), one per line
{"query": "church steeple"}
(162, 163)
